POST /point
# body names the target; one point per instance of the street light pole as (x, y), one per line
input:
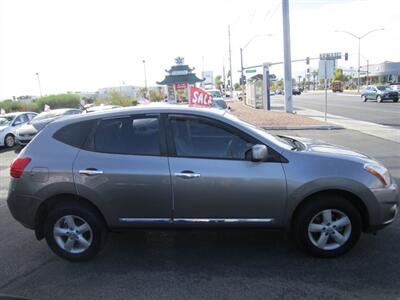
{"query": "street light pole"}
(145, 78)
(230, 62)
(40, 87)
(359, 50)
(287, 57)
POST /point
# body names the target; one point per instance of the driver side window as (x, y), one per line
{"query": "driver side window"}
(200, 138)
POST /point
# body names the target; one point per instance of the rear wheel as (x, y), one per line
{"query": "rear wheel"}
(396, 100)
(9, 141)
(75, 232)
(379, 99)
(327, 226)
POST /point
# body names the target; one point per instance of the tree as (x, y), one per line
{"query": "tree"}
(218, 82)
(338, 75)
(237, 86)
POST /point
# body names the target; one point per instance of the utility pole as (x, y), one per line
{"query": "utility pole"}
(223, 73)
(287, 57)
(145, 78)
(367, 71)
(230, 62)
(40, 87)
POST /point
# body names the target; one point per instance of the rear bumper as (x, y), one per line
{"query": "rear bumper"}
(22, 207)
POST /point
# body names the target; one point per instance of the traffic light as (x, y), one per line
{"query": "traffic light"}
(243, 80)
(346, 56)
(307, 60)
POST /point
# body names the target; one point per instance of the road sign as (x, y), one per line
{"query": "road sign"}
(251, 71)
(326, 69)
(330, 56)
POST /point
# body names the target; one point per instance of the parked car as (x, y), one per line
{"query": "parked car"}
(279, 92)
(97, 108)
(215, 94)
(173, 166)
(395, 86)
(379, 93)
(220, 104)
(25, 133)
(9, 123)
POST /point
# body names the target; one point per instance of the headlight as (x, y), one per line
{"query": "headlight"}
(379, 172)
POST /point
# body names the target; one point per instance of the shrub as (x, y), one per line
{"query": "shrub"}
(116, 98)
(58, 101)
(12, 106)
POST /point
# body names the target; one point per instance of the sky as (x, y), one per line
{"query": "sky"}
(84, 45)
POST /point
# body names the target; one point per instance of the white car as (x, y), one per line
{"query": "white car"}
(9, 123)
(215, 94)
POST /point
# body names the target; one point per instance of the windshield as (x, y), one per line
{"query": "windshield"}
(6, 120)
(215, 94)
(48, 114)
(382, 87)
(220, 104)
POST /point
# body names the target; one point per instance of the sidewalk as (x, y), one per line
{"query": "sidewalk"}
(382, 131)
(276, 120)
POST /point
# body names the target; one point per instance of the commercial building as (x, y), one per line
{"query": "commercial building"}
(386, 72)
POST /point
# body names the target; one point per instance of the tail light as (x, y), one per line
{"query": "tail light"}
(18, 166)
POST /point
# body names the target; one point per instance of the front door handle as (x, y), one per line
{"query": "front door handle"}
(187, 175)
(90, 172)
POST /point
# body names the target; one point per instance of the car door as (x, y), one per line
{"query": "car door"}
(124, 169)
(373, 93)
(212, 180)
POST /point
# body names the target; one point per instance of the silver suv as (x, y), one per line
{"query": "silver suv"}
(176, 167)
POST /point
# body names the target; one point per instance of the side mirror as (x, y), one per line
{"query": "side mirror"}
(259, 153)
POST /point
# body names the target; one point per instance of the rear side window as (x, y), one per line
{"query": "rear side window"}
(133, 136)
(75, 134)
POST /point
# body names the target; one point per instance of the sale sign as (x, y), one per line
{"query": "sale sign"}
(199, 97)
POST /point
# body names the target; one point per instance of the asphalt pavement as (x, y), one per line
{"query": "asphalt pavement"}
(350, 106)
(206, 264)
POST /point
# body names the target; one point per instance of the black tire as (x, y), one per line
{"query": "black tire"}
(396, 100)
(9, 141)
(364, 98)
(318, 204)
(379, 99)
(86, 213)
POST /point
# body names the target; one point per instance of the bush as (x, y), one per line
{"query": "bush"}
(116, 98)
(58, 101)
(12, 106)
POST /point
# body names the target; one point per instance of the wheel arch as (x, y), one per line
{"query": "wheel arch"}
(354, 200)
(47, 205)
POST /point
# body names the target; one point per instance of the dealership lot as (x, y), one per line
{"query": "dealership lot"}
(205, 264)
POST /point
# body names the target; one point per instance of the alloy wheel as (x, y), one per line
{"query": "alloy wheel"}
(10, 141)
(329, 229)
(73, 234)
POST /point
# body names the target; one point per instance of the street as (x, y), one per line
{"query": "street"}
(206, 264)
(351, 106)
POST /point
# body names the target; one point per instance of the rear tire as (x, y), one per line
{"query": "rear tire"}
(9, 141)
(396, 100)
(75, 232)
(324, 236)
(364, 98)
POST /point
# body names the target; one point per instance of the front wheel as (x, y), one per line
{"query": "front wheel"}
(327, 226)
(379, 99)
(396, 100)
(75, 232)
(364, 98)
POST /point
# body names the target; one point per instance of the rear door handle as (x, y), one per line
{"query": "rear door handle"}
(187, 175)
(90, 172)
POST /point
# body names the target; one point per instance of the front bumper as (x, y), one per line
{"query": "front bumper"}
(388, 201)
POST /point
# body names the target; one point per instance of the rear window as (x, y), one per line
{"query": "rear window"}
(75, 134)
(132, 136)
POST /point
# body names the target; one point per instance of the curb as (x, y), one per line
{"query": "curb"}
(305, 127)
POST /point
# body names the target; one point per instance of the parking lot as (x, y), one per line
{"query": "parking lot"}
(205, 264)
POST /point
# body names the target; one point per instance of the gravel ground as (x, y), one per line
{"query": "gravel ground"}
(263, 118)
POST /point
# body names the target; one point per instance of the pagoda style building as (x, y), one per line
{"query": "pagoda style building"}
(179, 80)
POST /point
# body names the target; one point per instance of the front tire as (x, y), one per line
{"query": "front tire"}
(364, 98)
(327, 226)
(396, 100)
(74, 232)
(379, 99)
(9, 141)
